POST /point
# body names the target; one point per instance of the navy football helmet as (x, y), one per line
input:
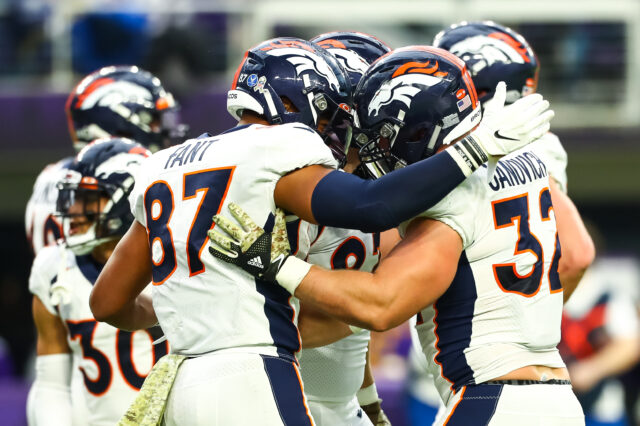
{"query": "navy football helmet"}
(493, 53)
(93, 194)
(355, 51)
(123, 101)
(288, 80)
(409, 103)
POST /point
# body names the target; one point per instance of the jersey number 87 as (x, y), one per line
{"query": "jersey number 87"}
(159, 205)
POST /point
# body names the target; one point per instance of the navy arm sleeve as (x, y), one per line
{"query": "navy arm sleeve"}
(343, 200)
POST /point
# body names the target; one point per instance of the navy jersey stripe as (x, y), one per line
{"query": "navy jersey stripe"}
(479, 403)
(287, 391)
(453, 318)
(89, 267)
(278, 310)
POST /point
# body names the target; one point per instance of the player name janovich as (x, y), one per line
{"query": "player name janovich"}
(518, 170)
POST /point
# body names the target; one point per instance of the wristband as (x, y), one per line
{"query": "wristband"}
(368, 395)
(468, 155)
(292, 273)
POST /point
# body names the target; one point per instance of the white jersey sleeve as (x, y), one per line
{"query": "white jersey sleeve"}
(43, 273)
(281, 149)
(298, 146)
(555, 157)
(42, 227)
(454, 211)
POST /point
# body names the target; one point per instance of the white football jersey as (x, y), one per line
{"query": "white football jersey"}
(41, 226)
(555, 158)
(503, 309)
(204, 304)
(114, 363)
(334, 373)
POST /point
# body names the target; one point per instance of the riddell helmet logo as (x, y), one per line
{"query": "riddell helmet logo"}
(402, 89)
(306, 60)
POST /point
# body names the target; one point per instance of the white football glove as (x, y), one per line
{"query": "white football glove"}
(505, 129)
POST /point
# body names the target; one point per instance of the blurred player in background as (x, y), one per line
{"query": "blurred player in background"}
(479, 284)
(601, 338)
(220, 317)
(93, 206)
(113, 101)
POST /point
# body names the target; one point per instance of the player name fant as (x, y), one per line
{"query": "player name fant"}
(518, 170)
(188, 152)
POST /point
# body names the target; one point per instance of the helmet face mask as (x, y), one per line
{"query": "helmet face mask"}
(290, 80)
(123, 101)
(92, 198)
(83, 216)
(410, 103)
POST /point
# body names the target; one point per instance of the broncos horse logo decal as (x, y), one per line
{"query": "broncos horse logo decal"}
(402, 89)
(305, 60)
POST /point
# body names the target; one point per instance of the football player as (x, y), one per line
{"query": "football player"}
(334, 373)
(496, 53)
(479, 268)
(239, 333)
(113, 101)
(93, 206)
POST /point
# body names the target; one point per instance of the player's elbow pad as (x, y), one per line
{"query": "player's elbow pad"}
(343, 200)
(49, 401)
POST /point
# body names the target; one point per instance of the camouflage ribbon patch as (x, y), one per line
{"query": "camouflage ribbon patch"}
(279, 239)
(148, 407)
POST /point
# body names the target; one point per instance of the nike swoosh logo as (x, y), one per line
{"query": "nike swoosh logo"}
(499, 136)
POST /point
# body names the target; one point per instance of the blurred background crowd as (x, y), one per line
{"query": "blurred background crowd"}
(589, 53)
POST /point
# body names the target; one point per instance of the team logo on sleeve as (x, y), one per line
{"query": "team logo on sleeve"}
(304, 60)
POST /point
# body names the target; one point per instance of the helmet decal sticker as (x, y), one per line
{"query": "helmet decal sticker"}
(305, 60)
(116, 92)
(420, 68)
(350, 60)
(515, 44)
(402, 89)
(487, 51)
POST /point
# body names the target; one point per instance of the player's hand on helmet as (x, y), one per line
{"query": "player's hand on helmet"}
(506, 128)
(248, 246)
(375, 414)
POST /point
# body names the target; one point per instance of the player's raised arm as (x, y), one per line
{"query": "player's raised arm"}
(346, 201)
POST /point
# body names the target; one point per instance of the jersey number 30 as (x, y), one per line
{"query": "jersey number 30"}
(505, 214)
